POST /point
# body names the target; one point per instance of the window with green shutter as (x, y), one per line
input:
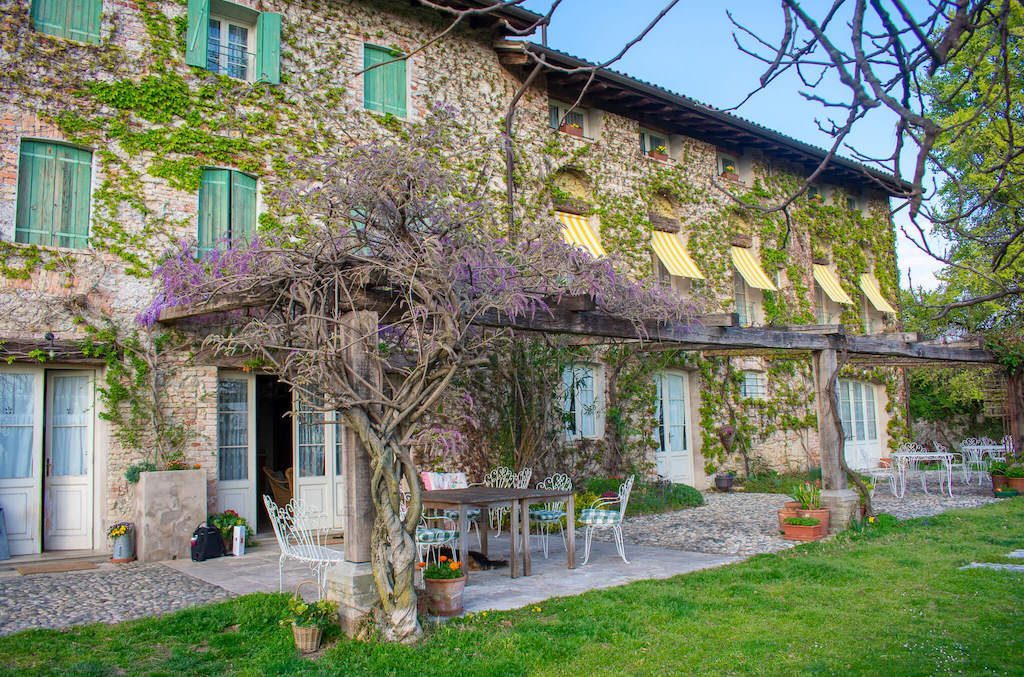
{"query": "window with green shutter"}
(72, 19)
(384, 86)
(234, 40)
(53, 195)
(227, 208)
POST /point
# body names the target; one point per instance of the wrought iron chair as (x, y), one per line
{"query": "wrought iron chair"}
(453, 480)
(877, 473)
(960, 461)
(607, 513)
(551, 514)
(300, 539)
(505, 478)
(430, 539)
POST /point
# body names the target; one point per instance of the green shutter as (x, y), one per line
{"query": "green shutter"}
(197, 33)
(73, 19)
(214, 206)
(243, 207)
(383, 87)
(53, 195)
(268, 48)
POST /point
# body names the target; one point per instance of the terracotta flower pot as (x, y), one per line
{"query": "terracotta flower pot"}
(788, 510)
(1015, 483)
(655, 155)
(444, 596)
(799, 532)
(998, 481)
(820, 513)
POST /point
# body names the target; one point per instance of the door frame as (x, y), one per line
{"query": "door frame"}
(90, 486)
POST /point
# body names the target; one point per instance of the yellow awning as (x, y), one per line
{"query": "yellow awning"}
(869, 285)
(829, 281)
(750, 269)
(577, 231)
(674, 255)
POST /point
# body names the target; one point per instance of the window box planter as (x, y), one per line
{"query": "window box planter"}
(572, 130)
(655, 155)
(803, 532)
(731, 176)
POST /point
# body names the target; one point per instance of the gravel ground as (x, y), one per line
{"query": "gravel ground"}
(746, 524)
(109, 594)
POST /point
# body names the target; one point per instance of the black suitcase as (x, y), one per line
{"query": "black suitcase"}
(206, 544)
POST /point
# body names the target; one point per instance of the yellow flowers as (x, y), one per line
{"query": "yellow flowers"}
(536, 609)
(871, 520)
(118, 529)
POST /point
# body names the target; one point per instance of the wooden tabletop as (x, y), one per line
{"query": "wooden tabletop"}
(485, 495)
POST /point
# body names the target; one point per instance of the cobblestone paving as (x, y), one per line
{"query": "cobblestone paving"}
(109, 594)
(746, 524)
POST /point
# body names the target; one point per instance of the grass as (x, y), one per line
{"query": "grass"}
(890, 599)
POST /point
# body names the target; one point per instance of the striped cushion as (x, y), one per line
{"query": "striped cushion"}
(471, 513)
(546, 515)
(593, 516)
(429, 535)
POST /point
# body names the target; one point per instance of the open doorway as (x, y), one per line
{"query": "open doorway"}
(273, 442)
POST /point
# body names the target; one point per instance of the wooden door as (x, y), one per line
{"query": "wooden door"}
(236, 444)
(674, 458)
(68, 483)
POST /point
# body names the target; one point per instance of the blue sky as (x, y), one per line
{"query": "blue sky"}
(692, 52)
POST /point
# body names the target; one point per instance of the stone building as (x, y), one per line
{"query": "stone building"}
(127, 125)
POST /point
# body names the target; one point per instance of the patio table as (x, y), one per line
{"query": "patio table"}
(519, 501)
(974, 455)
(903, 459)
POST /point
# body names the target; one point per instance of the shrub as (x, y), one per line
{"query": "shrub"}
(133, 471)
(772, 482)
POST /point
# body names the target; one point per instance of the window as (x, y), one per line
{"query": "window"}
(852, 204)
(233, 40)
(384, 86)
(670, 394)
(822, 312)
(869, 321)
(575, 119)
(814, 194)
(53, 195)
(71, 19)
(754, 385)
(727, 165)
(227, 208)
(583, 416)
(744, 308)
(653, 142)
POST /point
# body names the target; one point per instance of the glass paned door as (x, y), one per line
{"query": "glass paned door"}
(67, 501)
(318, 450)
(673, 460)
(236, 444)
(858, 413)
(21, 457)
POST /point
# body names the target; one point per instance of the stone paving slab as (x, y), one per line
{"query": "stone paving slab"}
(110, 594)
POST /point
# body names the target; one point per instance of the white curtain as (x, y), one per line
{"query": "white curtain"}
(17, 412)
(309, 430)
(233, 429)
(70, 426)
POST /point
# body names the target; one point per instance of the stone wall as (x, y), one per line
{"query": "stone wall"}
(145, 170)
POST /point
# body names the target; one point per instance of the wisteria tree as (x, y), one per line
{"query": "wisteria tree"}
(401, 228)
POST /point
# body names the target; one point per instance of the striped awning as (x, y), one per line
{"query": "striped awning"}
(577, 231)
(750, 269)
(829, 281)
(869, 285)
(674, 255)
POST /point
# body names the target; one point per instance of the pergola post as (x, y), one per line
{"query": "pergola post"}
(351, 583)
(835, 495)
(1015, 408)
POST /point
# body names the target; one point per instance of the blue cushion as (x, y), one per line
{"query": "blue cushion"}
(597, 516)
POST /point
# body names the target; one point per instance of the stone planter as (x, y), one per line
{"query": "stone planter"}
(124, 548)
(790, 509)
(444, 596)
(169, 505)
(819, 513)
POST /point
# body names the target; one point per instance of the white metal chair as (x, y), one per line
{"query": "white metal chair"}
(548, 515)
(504, 478)
(607, 513)
(453, 480)
(877, 473)
(960, 461)
(430, 539)
(300, 539)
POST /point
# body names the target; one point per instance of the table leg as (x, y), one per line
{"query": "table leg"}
(524, 513)
(570, 524)
(485, 527)
(513, 511)
(949, 476)
(464, 538)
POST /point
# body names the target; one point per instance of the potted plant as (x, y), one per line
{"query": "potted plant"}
(809, 496)
(225, 522)
(802, 529)
(445, 583)
(724, 480)
(658, 153)
(1015, 475)
(308, 620)
(571, 128)
(123, 536)
(997, 471)
(789, 509)
(729, 173)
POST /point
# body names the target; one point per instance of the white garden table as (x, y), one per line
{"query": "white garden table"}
(903, 459)
(974, 455)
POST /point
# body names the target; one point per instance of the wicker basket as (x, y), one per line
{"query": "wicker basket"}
(307, 637)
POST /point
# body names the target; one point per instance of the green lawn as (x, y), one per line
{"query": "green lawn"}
(889, 601)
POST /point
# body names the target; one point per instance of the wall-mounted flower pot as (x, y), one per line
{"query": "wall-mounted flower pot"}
(655, 155)
(572, 130)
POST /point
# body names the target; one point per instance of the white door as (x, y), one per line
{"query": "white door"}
(67, 501)
(860, 429)
(317, 461)
(21, 457)
(674, 459)
(236, 444)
